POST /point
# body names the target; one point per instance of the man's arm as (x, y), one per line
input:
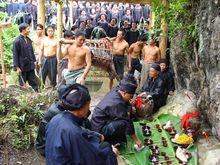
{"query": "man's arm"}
(88, 65)
(15, 56)
(41, 54)
(158, 55)
(143, 53)
(129, 55)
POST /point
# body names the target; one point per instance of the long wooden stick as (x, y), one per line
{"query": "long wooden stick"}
(2, 58)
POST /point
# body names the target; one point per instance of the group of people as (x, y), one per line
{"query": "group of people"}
(66, 136)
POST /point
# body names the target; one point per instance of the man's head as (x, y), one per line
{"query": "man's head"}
(102, 17)
(152, 40)
(76, 99)
(50, 31)
(39, 29)
(83, 12)
(134, 25)
(120, 34)
(80, 38)
(89, 21)
(163, 65)
(126, 22)
(24, 29)
(142, 38)
(154, 70)
(127, 86)
(113, 21)
(128, 12)
(82, 25)
(68, 35)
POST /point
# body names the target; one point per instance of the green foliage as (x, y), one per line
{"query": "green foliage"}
(179, 16)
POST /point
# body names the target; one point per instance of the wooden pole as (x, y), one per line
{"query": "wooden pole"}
(59, 21)
(3, 61)
(41, 12)
(152, 19)
(163, 37)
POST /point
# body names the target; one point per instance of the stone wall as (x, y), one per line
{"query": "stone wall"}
(199, 71)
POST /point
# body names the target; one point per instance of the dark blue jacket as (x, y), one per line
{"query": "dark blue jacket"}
(68, 144)
(23, 54)
(112, 107)
(168, 80)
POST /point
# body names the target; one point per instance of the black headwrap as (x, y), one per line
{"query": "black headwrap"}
(128, 84)
(163, 61)
(156, 67)
(62, 90)
(75, 97)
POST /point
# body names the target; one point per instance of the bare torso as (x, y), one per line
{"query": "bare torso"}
(136, 50)
(76, 57)
(119, 47)
(50, 47)
(37, 41)
(151, 54)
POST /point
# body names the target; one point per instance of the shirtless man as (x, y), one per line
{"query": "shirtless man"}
(150, 54)
(79, 60)
(48, 58)
(119, 47)
(135, 51)
(62, 59)
(37, 41)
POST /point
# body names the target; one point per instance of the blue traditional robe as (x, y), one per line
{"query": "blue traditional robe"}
(68, 144)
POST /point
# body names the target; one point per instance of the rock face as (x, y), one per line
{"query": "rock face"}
(199, 71)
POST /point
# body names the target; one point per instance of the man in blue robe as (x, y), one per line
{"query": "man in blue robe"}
(111, 117)
(67, 143)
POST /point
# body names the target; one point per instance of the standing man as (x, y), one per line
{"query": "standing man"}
(48, 58)
(37, 41)
(23, 57)
(135, 51)
(133, 33)
(118, 50)
(79, 60)
(150, 54)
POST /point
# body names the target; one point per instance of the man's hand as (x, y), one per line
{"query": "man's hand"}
(81, 80)
(139, 143)
(142, 94)
(18, 70)
(40, 64)
(132, 102)
(115, 150)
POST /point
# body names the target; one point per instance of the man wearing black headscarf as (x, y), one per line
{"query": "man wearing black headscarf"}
(111, 116)
(56, 108)
(67, 142)
(153, 87)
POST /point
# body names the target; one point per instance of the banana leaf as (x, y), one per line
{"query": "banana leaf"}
(132, 157)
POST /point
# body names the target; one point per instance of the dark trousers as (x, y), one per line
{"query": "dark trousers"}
(135, 65)
(61, 66)
(115, 131)
(119, 65)
(49, 68)
(30, 77)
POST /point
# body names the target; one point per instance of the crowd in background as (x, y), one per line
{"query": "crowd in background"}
(110, 16)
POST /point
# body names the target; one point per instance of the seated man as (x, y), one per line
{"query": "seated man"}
(67, 142)
(56, 108)
(168, 80)
(153, 88)
(111, 116)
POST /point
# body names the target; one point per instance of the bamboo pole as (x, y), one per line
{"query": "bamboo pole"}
(2, 58)
(41, 12)
(163, 37)
(59, 21)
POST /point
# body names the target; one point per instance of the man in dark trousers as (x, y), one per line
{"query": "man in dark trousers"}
(24, 58)
(167, 78)
(153, 88)
(67, 142)
(111, 117)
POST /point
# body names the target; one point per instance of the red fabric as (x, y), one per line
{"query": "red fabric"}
(138, 102)
(206, 136)
(185, 119)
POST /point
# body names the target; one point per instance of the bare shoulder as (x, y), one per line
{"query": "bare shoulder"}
(86, 48)
(125, 43)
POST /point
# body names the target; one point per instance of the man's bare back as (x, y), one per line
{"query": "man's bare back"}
(151, 53)
(49, 47)
(77, 56)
